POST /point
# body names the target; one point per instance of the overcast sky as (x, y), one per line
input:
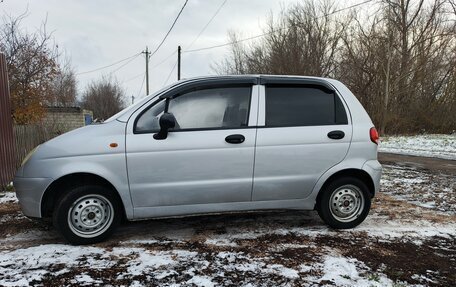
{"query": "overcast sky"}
(99, 33)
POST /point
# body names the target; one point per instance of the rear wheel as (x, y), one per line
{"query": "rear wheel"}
(87, 214)
(344, 203)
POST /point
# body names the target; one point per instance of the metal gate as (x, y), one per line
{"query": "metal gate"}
(7, 141)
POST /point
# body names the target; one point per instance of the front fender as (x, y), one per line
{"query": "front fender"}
(111, 167)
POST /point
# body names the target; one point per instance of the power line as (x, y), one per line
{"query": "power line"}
(272, 32)
(196, 38)
(131, 58)
(142, 85)
(165, 59)
(229, 43)
(346, 8)
(132, 78)
(107, 66)
(190, 45)
(207, 24)
(128, 62)
(170, 73)
(169, 31)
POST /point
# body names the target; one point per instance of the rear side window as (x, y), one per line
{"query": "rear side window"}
(303, 106)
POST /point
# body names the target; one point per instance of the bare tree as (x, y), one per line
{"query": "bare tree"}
(306, 39)
(397, 56)
(64, 91)
(452, 6)
(32, 67)
(399, 63)
(104, 97)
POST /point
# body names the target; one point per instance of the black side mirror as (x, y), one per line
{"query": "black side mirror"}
(167, 122)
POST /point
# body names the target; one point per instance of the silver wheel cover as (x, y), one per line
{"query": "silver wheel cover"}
(346, 203)
(90, 216)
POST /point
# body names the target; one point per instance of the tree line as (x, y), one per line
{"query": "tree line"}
(397, 56)
(41, 75)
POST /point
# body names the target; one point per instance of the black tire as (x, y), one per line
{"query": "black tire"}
(97, 203)
(347, 190)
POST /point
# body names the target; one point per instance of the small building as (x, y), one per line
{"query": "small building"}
(63, 119)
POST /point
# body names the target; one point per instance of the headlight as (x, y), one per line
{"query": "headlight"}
(27, 157)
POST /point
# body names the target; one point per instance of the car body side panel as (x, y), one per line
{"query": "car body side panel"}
(362, 154)
(348, 163)
(84, 150)
(104, 166)
(193, 209)
(374, 169)
(29, 191)
(361, 143)
(190, 167)
(289, 161)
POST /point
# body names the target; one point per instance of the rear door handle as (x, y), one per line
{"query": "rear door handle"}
(235, 139)
(336, 135)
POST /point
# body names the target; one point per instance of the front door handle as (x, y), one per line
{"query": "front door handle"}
(235, 139)
(336, 135)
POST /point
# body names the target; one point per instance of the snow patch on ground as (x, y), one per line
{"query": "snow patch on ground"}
(221, 242)
(7, 197)
(22, 267)
(85, 280)
(420, 187)
(343, 271)
(31, 264)
(434, 145)
(201, 281)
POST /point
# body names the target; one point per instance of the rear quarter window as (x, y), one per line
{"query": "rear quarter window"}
(303, 106)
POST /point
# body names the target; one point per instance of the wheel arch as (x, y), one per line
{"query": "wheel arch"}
(351, 172)
(52, 195)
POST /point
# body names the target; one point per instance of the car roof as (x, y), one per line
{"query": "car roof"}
(253, 76)
(256, 79)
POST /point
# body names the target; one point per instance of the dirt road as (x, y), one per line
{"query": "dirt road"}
(408, 238)
(429, 163)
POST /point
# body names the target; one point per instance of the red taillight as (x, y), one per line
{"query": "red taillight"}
(374, 135)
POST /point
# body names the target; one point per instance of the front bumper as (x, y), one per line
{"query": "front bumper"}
(30, 191)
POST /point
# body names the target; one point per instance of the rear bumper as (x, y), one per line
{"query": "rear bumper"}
(374, 169)
(30, 191)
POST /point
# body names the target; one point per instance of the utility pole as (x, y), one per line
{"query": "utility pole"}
(178, 62)
(147, 53)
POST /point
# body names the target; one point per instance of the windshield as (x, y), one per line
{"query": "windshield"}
(139, 103)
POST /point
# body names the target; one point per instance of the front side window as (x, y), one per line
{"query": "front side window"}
(226, 107)
(303, 106)
(149, 120)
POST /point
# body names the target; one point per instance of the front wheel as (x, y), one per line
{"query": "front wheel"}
(344, 203)
(87, 214)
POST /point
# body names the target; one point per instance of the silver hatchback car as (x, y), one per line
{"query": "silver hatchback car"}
(204, 145)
